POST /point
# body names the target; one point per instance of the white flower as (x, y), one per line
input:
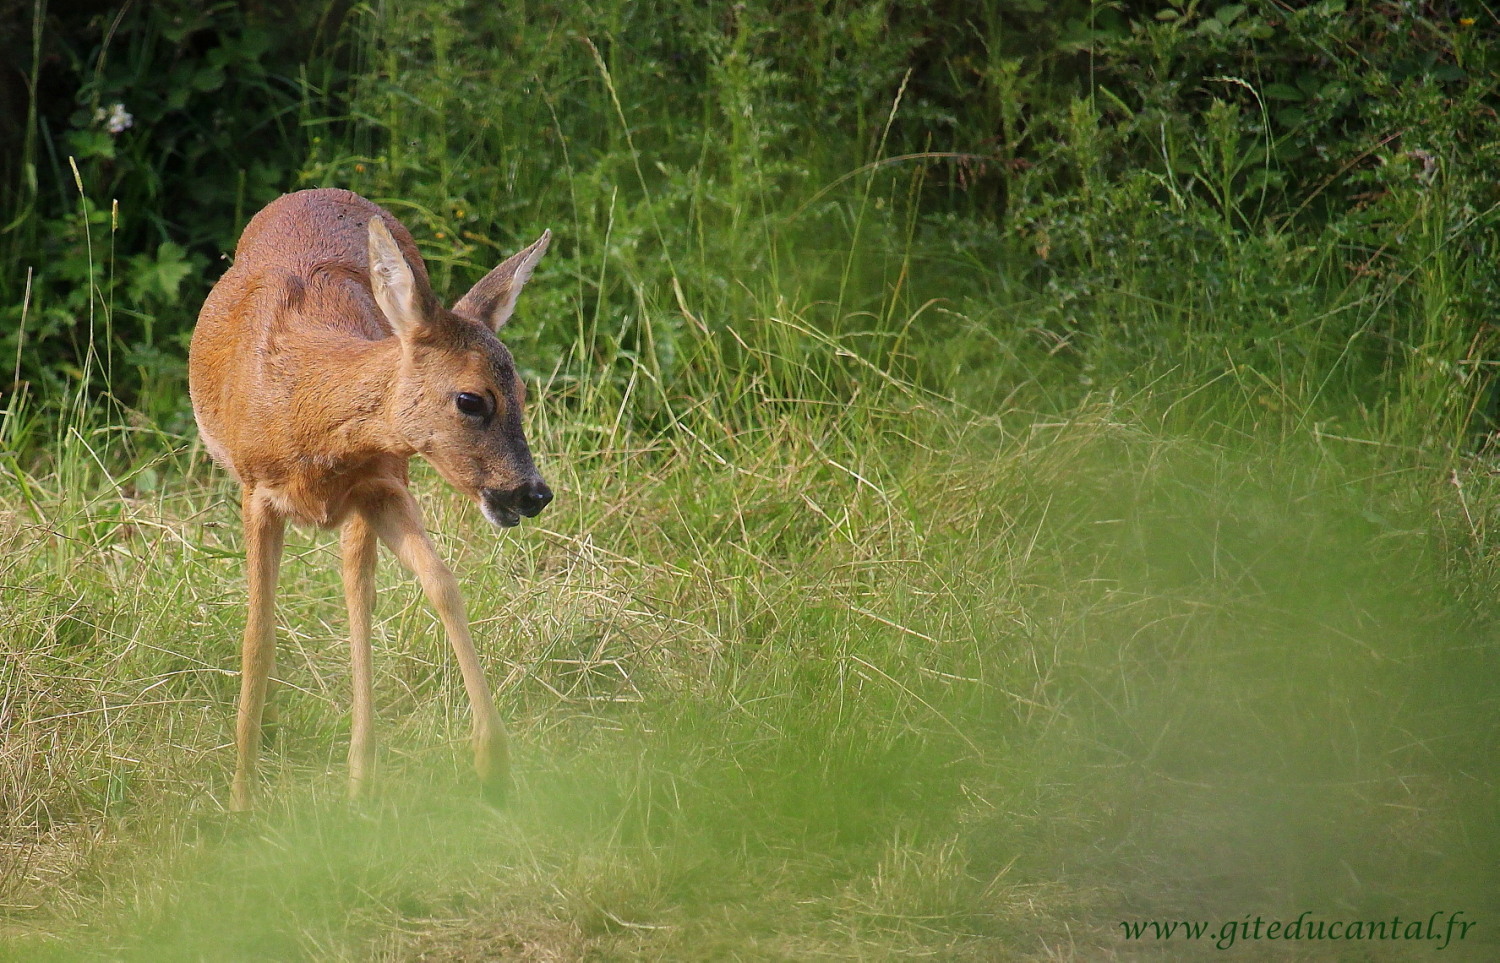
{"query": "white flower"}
(116, 119)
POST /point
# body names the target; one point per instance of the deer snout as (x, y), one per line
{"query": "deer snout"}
(531, 498)
(504, 507)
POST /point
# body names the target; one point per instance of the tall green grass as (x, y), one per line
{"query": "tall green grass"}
(778, 692)
(915, 587)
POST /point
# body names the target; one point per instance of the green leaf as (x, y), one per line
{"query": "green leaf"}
(92, 143)
(159, 278)
(1291, 117)
(171, 267)
(253, 43)
(208, 79)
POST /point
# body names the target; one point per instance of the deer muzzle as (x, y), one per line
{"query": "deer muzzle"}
(504, 507)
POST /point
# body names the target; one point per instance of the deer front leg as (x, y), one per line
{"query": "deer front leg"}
(358, 549)
(398, 521)
(264, 532)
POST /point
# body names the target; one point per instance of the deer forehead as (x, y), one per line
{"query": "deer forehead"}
(476, 368)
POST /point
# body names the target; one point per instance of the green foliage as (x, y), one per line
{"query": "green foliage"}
(1013, 463)
(974, 197)
(155, 130)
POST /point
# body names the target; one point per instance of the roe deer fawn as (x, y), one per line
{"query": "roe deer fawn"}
(321, 362)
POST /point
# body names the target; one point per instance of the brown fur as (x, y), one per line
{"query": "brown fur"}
(321, 363)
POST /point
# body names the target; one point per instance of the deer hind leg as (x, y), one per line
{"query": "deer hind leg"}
(264, 533)
(358, 545)
(398, 521)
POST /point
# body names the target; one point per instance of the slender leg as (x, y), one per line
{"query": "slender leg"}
(358, 542)
(264, 532)
(398, 521)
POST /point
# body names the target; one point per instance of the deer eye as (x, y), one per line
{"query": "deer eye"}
(472, 404)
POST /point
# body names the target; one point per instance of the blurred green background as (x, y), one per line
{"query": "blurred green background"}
(1023, 467)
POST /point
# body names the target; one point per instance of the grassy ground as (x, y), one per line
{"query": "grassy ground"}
(876, 682)
(924, 579)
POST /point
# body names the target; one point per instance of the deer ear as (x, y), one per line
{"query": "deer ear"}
(493, 299)
(391, 281)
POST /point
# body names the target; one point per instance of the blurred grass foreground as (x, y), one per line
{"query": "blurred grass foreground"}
(1024, 472)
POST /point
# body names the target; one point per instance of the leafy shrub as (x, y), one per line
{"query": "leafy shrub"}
(155, 129)
(974, 195)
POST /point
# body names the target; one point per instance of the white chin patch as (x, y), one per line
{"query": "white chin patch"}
(499, 517)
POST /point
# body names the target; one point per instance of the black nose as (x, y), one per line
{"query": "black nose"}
(531, 498)
(504, 506)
